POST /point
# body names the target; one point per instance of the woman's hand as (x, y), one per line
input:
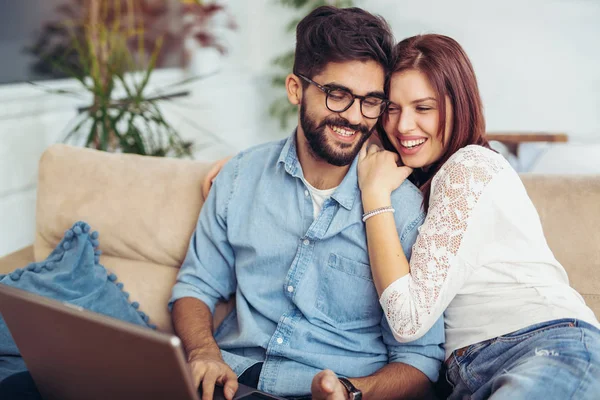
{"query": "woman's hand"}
(379, 175)
(211, 175)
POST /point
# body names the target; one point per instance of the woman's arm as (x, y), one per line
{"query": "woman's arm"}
(383, 243)
(378, 177)
(414, 297)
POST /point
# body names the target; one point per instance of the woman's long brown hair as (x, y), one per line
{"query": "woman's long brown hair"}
(450, 73)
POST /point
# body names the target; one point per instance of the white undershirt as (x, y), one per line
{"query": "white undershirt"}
(481, 259)
(318, 197)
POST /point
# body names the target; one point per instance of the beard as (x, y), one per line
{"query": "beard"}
(340, 154)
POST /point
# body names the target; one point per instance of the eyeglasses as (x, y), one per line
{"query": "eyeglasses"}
(339, 100)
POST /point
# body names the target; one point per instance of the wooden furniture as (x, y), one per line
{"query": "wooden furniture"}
(512, 140)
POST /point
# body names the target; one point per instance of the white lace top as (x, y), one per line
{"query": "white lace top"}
(481, 258)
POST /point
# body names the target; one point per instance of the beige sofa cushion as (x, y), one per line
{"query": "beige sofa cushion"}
(569, 208)
(145, 209)
(18, 259)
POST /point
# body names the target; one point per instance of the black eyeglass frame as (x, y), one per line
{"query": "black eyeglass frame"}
(328, 90)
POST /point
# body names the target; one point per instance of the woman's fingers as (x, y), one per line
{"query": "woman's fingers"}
(373, 148)
(363, 152)
(211, 175)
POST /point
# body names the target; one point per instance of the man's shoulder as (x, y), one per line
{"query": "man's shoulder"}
(254, 159)
(407, 196)
(264, 152)
(407, 201)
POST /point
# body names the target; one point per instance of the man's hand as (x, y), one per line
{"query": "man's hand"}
(210, 370)
(326, 386)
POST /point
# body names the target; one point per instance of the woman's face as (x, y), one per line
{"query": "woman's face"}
(413, 118)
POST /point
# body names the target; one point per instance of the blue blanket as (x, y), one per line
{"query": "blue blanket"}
(72, 274)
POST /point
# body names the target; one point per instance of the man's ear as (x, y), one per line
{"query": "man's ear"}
(294, 89)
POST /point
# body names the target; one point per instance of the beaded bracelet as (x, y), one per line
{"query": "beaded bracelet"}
(376, 211)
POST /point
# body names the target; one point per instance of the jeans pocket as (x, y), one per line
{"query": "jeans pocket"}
(529, 331)
(468, 351)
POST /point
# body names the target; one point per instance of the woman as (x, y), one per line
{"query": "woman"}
(514, 326)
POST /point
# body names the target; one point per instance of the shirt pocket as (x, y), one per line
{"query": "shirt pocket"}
(347, 297)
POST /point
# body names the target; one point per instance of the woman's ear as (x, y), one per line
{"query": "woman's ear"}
(294, 89)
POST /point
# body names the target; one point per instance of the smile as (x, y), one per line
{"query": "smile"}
(342, 130)
(411, 144)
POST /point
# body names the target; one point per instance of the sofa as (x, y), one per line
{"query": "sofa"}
(146, 209)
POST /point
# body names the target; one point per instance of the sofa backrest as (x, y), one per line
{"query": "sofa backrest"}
(569, 208)
(146, 209)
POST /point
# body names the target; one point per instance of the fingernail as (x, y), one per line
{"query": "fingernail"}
(230, 392)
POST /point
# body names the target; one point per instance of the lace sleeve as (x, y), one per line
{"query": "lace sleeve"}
(414, 302)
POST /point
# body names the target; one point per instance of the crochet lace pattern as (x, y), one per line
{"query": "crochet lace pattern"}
(455, 192)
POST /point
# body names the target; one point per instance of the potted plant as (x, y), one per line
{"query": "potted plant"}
(112, 47)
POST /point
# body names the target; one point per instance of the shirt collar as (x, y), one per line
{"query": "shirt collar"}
(347, 191)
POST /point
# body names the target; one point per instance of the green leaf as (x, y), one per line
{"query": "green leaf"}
(92, 133)
(77, 127)
(278, 80)
(151, 64)
(294, 3)
(291, 26)
(283, 110)
(285, 60)
(134, 133)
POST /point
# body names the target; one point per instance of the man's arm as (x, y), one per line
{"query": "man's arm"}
(192, 321)
(206, 277)
(393, 381)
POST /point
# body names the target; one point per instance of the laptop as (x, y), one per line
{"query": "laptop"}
(75, 354)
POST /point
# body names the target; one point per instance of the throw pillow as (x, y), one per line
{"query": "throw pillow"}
(72, 274)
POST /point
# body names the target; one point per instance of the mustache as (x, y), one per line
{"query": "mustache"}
(343, 123)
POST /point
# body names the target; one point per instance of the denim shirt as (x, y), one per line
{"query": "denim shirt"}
(305, 298)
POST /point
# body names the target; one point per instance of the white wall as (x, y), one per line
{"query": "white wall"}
(538, 65)
(537, 61)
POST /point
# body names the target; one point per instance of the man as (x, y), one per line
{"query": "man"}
(281, 229)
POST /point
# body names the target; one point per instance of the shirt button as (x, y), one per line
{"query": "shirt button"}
(306, 193)
(306, 242)
(290, 288)
(279, 340)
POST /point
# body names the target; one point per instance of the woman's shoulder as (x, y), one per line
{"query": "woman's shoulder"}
(473, 167)
(475, 155)
(474, 159)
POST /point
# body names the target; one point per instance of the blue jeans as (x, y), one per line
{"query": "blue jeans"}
(552, 360)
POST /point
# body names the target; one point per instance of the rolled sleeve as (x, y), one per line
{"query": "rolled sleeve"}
(207, 272)
(425, 354)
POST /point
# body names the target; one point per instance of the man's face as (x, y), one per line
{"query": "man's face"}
(336, 137)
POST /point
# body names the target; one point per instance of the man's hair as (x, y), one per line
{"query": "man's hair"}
(330, 34)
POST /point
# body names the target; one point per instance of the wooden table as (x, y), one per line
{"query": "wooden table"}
(512, 140)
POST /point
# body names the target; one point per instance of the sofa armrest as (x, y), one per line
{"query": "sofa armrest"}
(18, 259)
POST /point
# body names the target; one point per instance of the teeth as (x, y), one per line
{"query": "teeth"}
(412, 143)
(342, 131)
